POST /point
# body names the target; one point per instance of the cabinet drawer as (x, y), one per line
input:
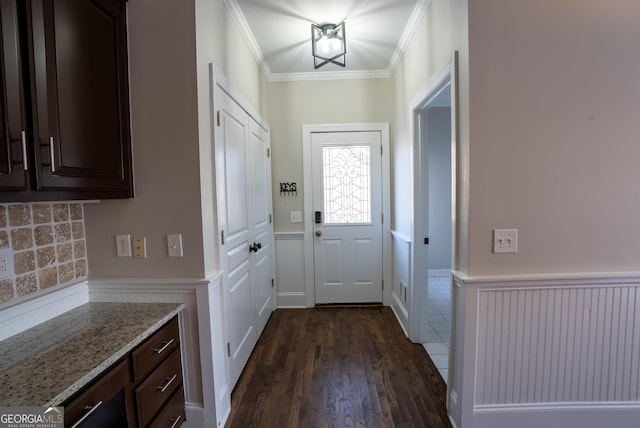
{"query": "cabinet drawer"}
(148, 355)
(91, 401)
(172, 415)
(158, 388)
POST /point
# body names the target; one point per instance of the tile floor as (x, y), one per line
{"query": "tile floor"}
(439, 322)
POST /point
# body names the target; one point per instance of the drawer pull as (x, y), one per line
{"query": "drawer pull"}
(89, 412)
(164, 387)
(165, 345)
(174, 421)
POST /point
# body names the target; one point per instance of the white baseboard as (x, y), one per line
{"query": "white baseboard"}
(22, 316)
(194, 416)
(292, 300)
(559, 415)
(440, 273)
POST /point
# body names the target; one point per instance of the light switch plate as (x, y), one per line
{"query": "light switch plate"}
(6, 263)
(174, 245)
(296, 217)
(505, 240)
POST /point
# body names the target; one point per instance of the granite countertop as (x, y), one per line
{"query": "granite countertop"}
(46, 364)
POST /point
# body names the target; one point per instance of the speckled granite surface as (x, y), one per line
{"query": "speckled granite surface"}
(46, 364)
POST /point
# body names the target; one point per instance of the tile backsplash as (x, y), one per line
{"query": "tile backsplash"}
(48, 245)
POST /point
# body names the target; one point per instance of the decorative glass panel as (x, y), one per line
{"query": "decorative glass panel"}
(347, 184)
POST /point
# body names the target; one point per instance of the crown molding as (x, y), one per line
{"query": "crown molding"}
(243, 27)
(330, 75)
(407, 34)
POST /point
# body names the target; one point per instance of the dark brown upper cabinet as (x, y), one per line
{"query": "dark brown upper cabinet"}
(65, 101)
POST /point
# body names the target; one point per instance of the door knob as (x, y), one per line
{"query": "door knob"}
(318, 233)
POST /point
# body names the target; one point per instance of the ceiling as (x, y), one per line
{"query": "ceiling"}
(278, 34)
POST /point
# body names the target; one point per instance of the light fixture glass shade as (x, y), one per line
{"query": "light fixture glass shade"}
(328, 44)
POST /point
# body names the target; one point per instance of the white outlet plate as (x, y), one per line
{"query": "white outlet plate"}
(6, 263)
(123, 245)
(296, 216)
(505, 240)
(140, 248)
(174, 245)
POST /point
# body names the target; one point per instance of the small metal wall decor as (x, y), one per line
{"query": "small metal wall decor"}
(288, 189)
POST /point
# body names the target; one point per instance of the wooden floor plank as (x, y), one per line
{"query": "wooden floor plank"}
(338, 368)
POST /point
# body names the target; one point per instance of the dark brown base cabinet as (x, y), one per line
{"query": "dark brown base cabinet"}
(144, 389)
(64, 110)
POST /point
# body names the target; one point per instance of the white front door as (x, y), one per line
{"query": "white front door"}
(347, 191)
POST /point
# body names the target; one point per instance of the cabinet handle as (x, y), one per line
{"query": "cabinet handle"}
(164, 387)
(89, 412)
(165, 345)
(174, 421)
(53, 156)
(23, 140)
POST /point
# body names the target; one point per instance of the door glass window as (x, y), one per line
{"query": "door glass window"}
(346, 184)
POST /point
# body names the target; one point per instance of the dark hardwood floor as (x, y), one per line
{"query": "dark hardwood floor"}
(338, 367)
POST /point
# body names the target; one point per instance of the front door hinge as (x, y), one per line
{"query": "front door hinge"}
(382, 218)
(426, 241)
(383, 284)
(268, 152)
(270, 219)
(273, 283)
(222, 236)
(381, 149)
(218, 117)
(228, 349)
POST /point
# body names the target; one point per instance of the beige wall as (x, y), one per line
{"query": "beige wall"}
(294, 104)
(170, 47)
(442, 31)
(554, 135)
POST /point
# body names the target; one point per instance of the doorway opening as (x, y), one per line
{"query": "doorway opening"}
(435, 156)
(436, 117)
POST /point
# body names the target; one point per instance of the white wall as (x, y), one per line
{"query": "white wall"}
(554, 128)
(294, 104)
(442, 31)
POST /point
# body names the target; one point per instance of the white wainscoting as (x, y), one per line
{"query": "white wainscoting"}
(290, 279)
(553, 351)
(208, 401)
(400, 274)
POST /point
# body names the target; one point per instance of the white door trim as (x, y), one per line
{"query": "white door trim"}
(446, 76)
(307, 130)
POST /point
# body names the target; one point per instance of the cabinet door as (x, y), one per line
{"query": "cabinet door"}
(80, 96)
(13, 137)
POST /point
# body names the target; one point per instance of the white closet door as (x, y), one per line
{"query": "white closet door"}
(262, 257)
(243, 184)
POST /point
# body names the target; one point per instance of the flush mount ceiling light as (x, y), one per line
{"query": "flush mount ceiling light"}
(328, 44)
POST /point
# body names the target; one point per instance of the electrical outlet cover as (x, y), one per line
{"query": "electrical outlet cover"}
(6, 263)
(123, 245)
(140, 248)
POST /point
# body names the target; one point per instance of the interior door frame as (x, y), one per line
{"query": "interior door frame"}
(307, 130)
(446, 76)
